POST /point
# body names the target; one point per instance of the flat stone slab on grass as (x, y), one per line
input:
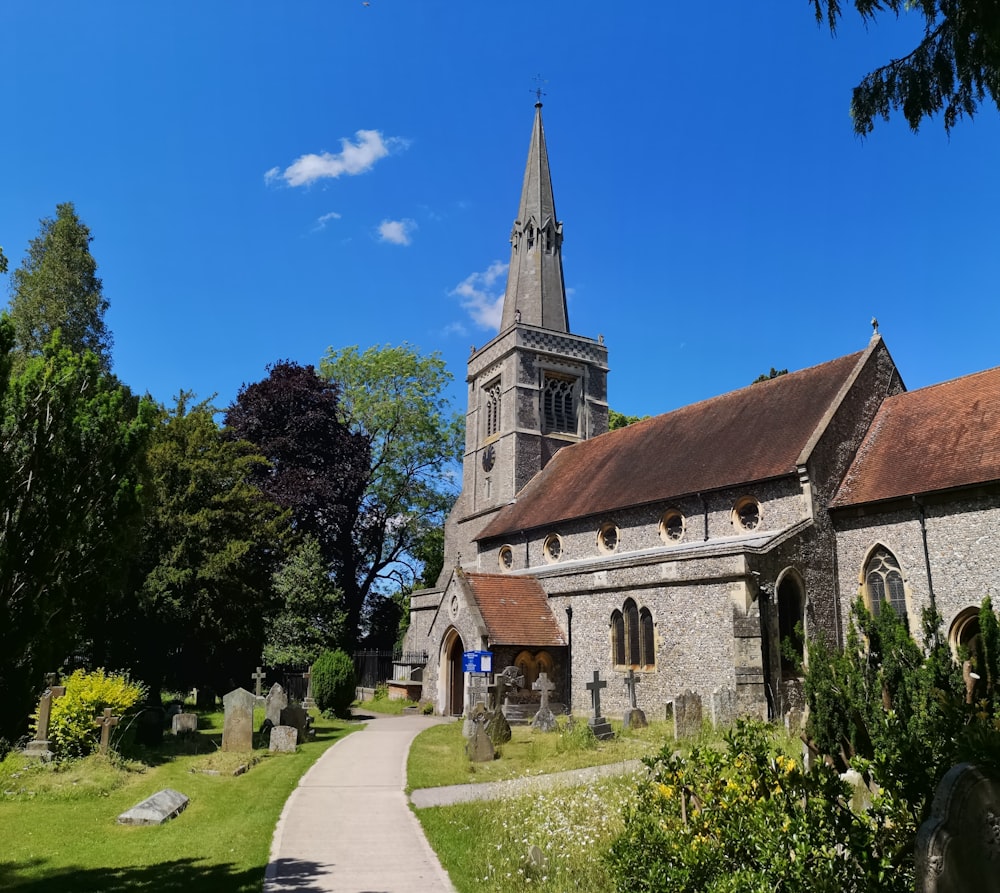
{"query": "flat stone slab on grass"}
(155, 810)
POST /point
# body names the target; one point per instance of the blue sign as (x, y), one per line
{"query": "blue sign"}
(477, 662)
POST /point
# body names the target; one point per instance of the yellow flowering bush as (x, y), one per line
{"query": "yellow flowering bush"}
(746, 819)
(71, 726)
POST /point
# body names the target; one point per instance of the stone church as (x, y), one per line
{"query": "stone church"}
(688, 547)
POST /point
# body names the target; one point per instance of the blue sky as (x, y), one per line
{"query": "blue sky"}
(267, 180)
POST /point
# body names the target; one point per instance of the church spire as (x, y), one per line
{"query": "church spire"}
(535, 292)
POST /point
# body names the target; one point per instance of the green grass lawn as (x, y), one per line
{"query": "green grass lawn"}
(58, 829)
(437, 756)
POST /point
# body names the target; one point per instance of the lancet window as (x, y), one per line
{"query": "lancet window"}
(633, 642)
(493, 398)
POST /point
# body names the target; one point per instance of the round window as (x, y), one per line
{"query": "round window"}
(552, 547)
(506, 558)
(607, 538)
(747, 513)
(672, 526)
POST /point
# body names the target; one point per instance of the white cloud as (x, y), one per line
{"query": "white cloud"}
(353, 158)
(482, 297)
(322, 221)
(398, 232)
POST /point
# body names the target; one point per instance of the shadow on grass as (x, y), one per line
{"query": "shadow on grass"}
(187, 875)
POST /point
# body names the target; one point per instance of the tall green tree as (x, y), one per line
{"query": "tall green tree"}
(394, 399)
(57, 287)
(210, 544)
(955, 67)
(71, 440)
(311, 617)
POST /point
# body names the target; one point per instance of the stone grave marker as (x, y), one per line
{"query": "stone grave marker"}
(274, 703)
(480, 748)
(475, 694)
(258, 679)
(155, 810)
(687, 715)
(634, 717)
(39, 745)
(106, 722)
(545, 720)
(283, 739)
(295, 716)
(308, 701)
(723, 707)
(237, 725)
(181, 723)
(598, 724)
(958, 847)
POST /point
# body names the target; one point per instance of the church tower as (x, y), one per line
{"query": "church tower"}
(535, 387)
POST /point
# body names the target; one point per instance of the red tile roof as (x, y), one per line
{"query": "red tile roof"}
(752, 434)
(938, 438)
(515, 609)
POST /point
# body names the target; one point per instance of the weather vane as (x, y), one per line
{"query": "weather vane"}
(537, 89)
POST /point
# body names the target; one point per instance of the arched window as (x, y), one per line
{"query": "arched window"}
(618, 638)
(884, 583)
(492, 408)
(631, 613)
(647, 643)
(790, 619)
(559, 405)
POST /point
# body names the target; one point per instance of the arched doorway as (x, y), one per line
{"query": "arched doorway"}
(454, 677)
(791, 623)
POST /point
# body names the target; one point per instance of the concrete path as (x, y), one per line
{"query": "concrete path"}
(347, 827)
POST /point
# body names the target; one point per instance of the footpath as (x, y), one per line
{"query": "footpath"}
(347, 827)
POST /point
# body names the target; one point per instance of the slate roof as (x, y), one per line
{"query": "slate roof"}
(515, 609)
(937, 438)
(753, 434)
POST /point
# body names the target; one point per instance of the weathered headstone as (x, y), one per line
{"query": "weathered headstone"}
(545, 720)
(634, 717)
(155, 810)
(295, 716)
(723, 707)
(106, 722)
(687, 715)
(181, 723)
(283, 739)
(958, 847)
(258, 679)
(598, 724)
(308, 702)
(479, 748)
(498, 728)
(274, 703)
(475, 695)
(237, 724)
(39, 745)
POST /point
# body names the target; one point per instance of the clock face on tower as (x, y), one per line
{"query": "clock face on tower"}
(489, 457)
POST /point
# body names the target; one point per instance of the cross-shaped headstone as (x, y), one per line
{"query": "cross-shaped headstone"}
(595, 692)
(543, 685)
(106, 722)
(258, 678)
(497, 691)
(631, 681)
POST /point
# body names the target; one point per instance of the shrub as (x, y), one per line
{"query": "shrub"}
(333, 682)
(746, 820)
(71, 725)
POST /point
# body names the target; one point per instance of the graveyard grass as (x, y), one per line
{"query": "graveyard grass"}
(60, 833)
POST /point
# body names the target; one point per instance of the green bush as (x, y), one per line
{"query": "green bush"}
(749, 820)
(71, 724)
(333, 682)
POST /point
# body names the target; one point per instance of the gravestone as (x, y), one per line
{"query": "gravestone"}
(958, 847)
(545, 720)
(723, 707)
(155, 810)
(258, 679)
(237, 725)
(497, 727)
(149, 726)
(38, 747)
(598, 724)
(308, 701)
(181, 723)
(295, 716)
(687, 715)
(475, 695)
(274, 703)
(634, 718)
(283, 739)
(479, 748)
(106, 722)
